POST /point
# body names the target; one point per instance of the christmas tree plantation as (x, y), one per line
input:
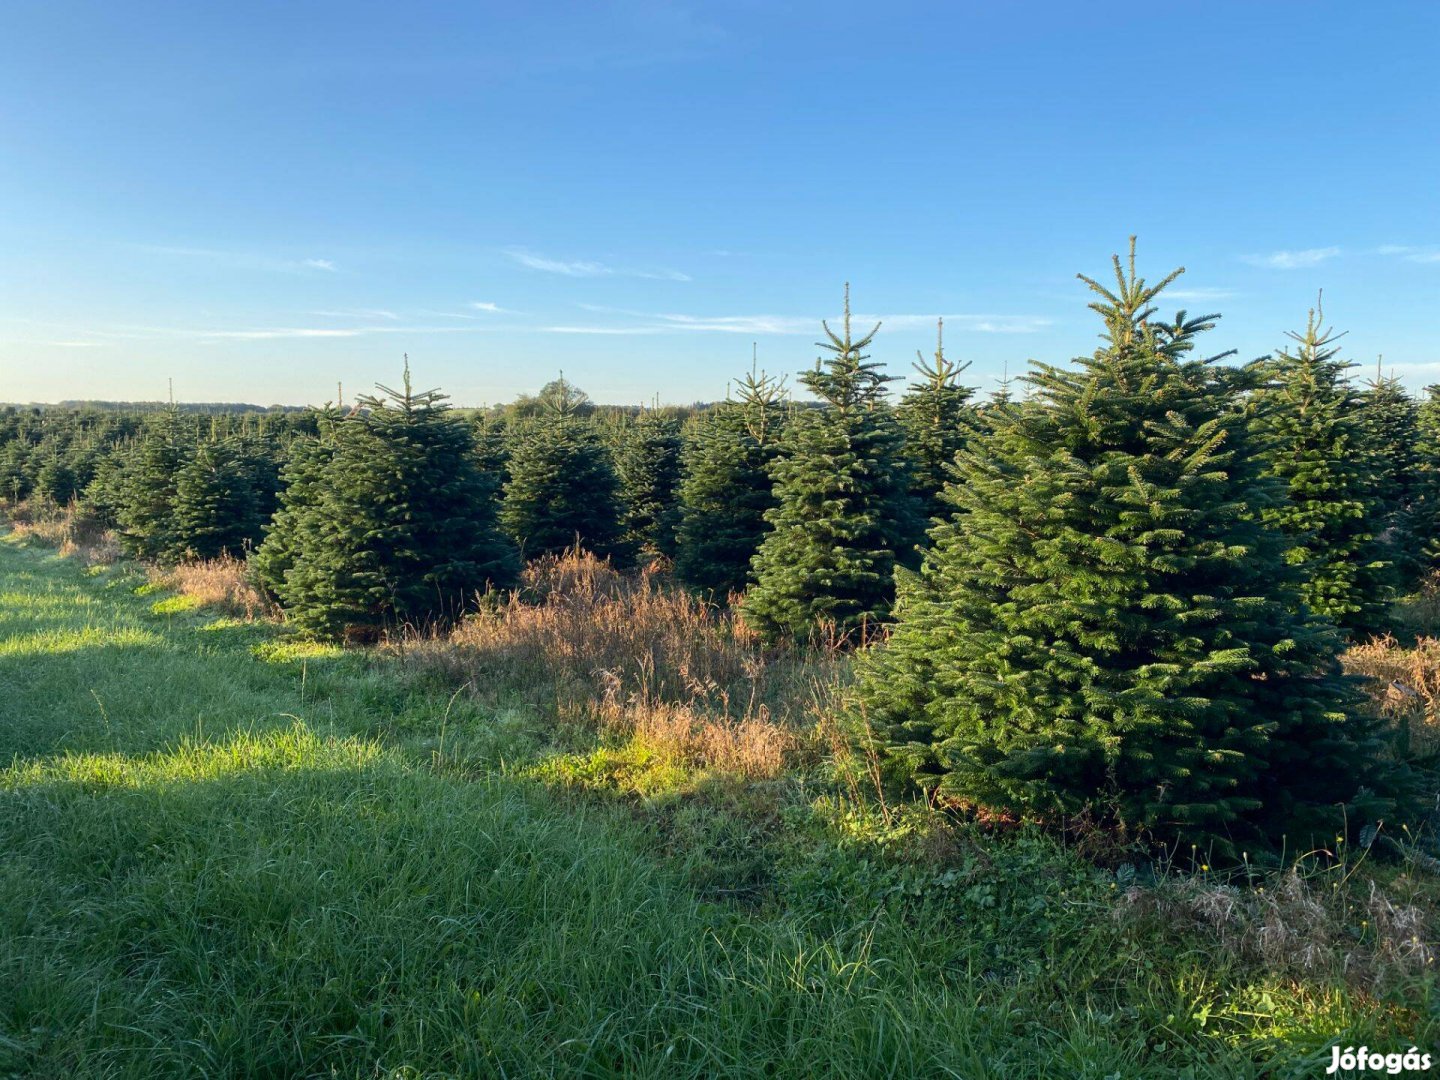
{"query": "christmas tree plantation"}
(1106, 627)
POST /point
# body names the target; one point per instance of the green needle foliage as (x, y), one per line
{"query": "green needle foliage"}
(145, 512)
(299, 522)
(1392, 440)
(647, 466)
(1105, 627)
(217, 508)
(1314, 440)
(562, 488)
(844, 517)
(55, 476)
(937, 419)
(391, 523)
(1425, 508)
(727, 488)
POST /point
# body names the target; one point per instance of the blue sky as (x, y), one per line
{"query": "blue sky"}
(260, 200)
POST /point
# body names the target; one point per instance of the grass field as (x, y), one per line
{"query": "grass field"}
(226, 853)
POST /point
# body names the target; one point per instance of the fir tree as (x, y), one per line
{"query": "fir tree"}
(647, 467)
(1314, 441)
(844, 515)
(1107, 628)
(17, 479)
(936, 419)
(145, 510)
(1390, 419)
(299, 523)
(727, 488)
(216, 509)
(55, 477)
(562, 488)
(1424, 513)
(392, 523)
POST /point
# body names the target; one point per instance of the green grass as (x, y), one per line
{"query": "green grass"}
(225, 853)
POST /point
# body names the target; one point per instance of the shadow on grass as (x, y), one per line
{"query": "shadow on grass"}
(291, 905)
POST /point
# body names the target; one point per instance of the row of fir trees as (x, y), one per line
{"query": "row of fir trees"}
(1121, 594)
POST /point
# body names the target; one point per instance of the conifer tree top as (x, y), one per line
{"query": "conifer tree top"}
(406, 399)
(846, 379)
(939, 373)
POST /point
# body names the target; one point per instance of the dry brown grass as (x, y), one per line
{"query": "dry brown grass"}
(1298, 924)
(1404, 686)
(72, 533)
(634, 656)
(222, 583)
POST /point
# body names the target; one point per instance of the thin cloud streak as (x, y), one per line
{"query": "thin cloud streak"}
(359, 313)
(241, 260)
(1292, 260)
(1410, 253)
(660, 322)
(269, 333)
(585, 268)
(1200, 293)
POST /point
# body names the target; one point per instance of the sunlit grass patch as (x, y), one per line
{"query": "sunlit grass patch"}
(296, 747)
(294, 650)
(175, 605)
(633, 768)
(53, 641)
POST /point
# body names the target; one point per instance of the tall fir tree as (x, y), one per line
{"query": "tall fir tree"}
(1424, 514)
(217, 510)
(844, 517)
(647, 468)
(299, 523)
(727, 488)
(1314, 440)
(145, 509)
(562, 488)
(1106, 627)
(55, 475)
(1391, 423)
(936, 418)
(395, 524)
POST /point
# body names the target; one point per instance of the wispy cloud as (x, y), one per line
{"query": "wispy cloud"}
(603, 330)
(358, 313)
(1292, 260)
(977, 324)
(585, 268)
(488, 307)
(267, 333)
(241, 260)
(659, 323)
(1200, 293)
(1410, 253)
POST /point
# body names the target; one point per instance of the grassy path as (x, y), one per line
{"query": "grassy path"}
(222, 855)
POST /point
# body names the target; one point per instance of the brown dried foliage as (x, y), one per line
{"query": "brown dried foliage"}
(1404, 686)
(222, 583)
(1299, 924)
(633, 655)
